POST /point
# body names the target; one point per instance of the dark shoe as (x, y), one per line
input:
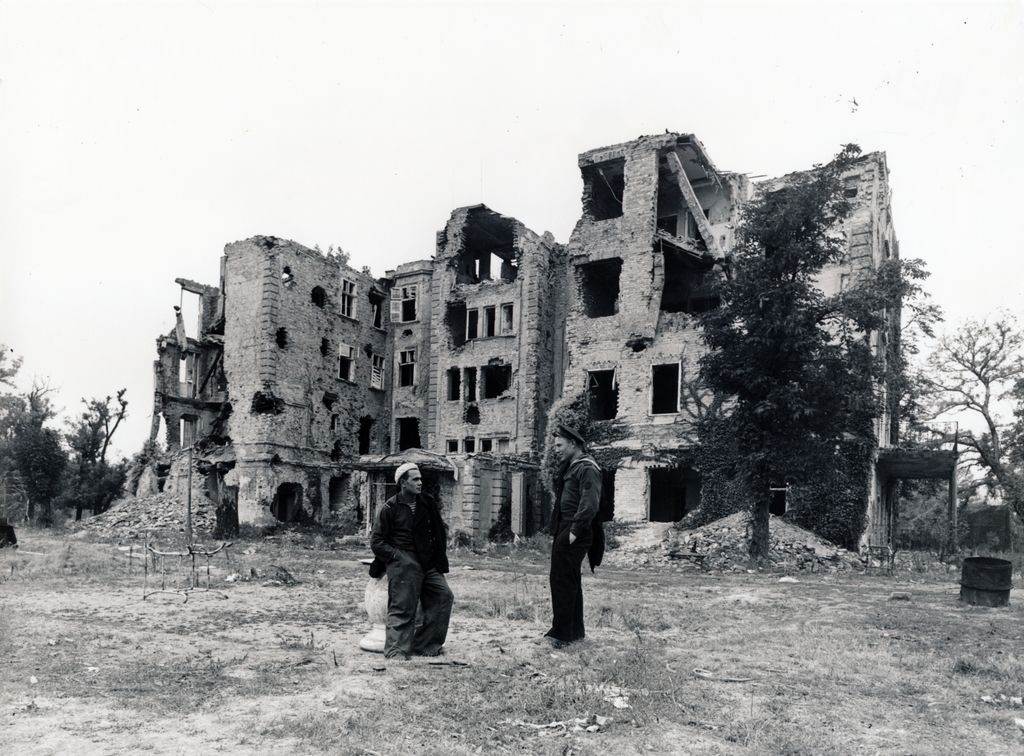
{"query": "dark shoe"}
(439, 652)
(396, 656)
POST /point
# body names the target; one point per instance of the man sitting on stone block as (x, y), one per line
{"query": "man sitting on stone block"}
(409, 539)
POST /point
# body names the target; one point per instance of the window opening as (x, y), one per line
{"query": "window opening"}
(488, 252)
(452, 445)
(687, 285)
(665, 389)
(365, 434)
(282, 337)
(407, 367)
(486, 444)
(376, 371)
(334, 423)
(469, 445)
(472, 324)
(408, 433)
(490, 321)
(469, 378)
(188, 431)
(403, 304)
(454, 384)
(325, 347)
(603, 391)
(286, 276)
(455, 319)
(668, 223)
(376, 311)
(346, 357)
(599, 287)
(348, 298)
(318, 296)
(507, 312)
(496, 380)
(603, 187)
(502, 444)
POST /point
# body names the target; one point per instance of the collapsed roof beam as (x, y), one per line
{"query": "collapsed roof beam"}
(703, 226)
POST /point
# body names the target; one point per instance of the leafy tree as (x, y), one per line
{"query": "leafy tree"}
(27, 447)
(93, 483)
(797, 366)
(40, 460)
(974, 371)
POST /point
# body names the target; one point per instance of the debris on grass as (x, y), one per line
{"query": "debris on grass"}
(722, 545)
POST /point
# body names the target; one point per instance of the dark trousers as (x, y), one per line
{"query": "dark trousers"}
(567, 586)
(409, 586)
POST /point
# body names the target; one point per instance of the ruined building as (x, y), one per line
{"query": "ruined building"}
(307, 381)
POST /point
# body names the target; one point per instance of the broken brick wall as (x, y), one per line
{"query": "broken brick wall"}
(410, 295)
(635, 335)
(495, 330)
(289, 311)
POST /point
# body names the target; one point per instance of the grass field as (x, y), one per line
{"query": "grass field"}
(673, 663)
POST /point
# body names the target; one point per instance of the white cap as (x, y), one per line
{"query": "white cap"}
(403, 469)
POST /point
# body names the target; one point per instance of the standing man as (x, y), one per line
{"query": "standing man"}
(409, 539)
(578, 498)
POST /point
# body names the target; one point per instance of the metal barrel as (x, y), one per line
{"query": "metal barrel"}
(986, 581)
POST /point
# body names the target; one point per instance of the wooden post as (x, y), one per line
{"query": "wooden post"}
(188, 499)
(953, 544)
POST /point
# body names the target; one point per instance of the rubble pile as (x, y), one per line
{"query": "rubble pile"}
(722, 545)
(135, 517)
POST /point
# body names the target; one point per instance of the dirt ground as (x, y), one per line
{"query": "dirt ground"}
(673, 663)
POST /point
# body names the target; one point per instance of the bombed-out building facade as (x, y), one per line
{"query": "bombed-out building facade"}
(307, 382)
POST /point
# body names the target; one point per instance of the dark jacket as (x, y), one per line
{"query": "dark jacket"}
(396, 530)
(578, 500)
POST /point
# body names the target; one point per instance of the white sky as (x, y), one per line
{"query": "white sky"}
(137, 139)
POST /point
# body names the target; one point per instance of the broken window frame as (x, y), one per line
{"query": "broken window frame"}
(188, 430)
(587, 274)
(402, 424)
(453, 384)
(486, 373)
(679, 370)
(469, 445)
(490, 318)
(592, 383)
(507, 325)
(402, 298)
(451, 446)
(469, 382)
(407, 367)
(472, 323)
(348, 298)
(376, 372)
(346, 362)
(366, 424)
(600, 202)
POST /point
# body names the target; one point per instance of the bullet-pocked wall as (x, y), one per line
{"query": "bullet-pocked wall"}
(493, 335)
(308, 376)
(656, 217)
(307, 357)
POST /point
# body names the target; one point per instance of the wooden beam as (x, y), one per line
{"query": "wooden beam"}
(703, 226)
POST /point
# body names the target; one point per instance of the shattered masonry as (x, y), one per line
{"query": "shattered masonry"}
(308, 382)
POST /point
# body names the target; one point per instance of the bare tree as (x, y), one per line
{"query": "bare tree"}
(973, 371)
